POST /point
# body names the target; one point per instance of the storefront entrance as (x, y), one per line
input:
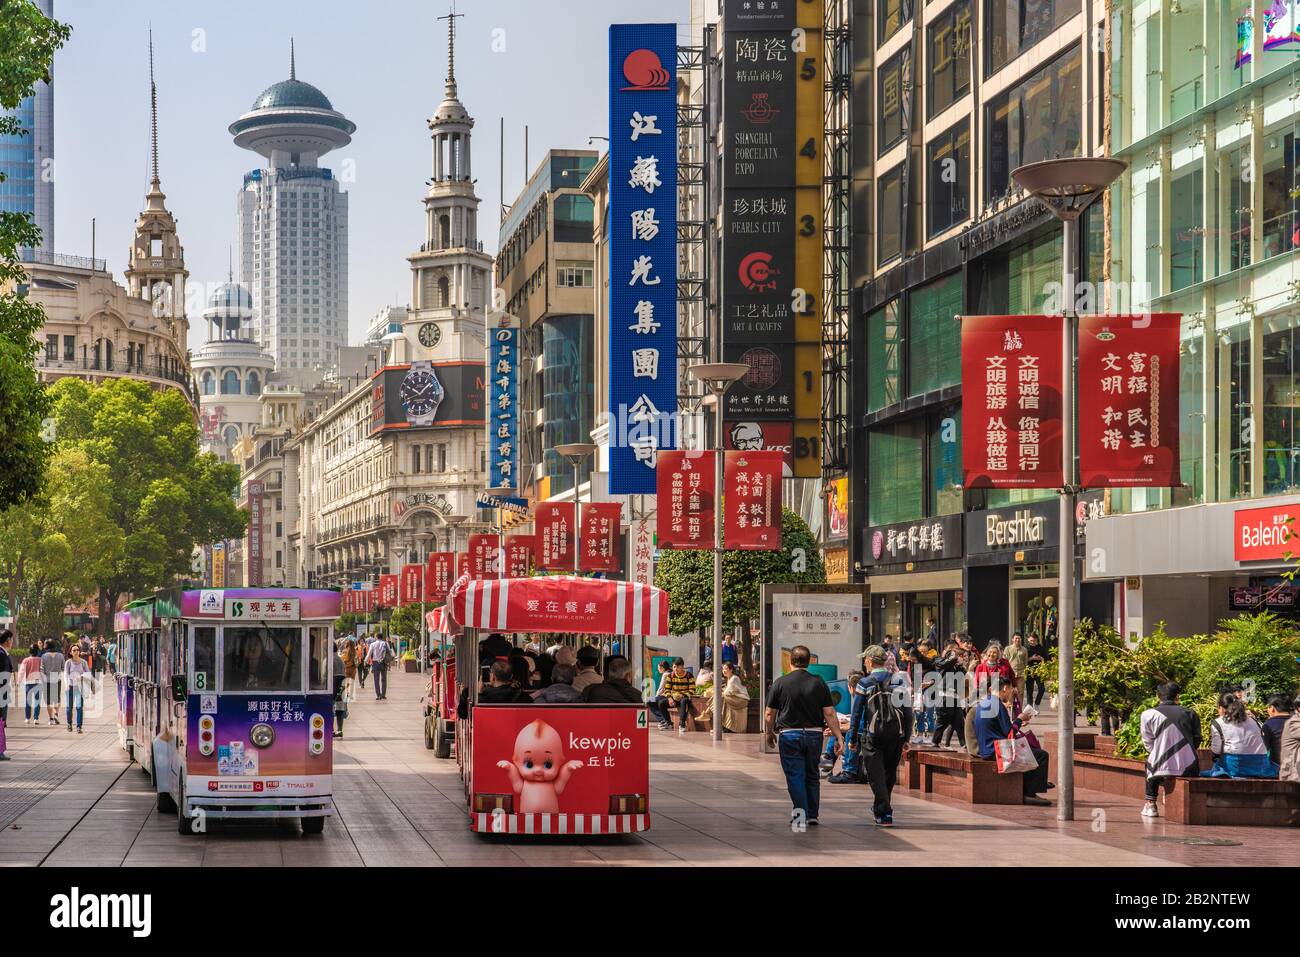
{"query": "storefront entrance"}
(1034, 601)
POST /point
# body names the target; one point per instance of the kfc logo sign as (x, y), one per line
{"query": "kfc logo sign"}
(1261, 534)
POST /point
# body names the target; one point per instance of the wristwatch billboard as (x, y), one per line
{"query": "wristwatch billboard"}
(421, 393)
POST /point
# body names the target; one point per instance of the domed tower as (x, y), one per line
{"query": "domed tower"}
(231, 370)
(293, 224)
(450, 274)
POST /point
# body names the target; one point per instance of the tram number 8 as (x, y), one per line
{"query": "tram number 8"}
(200, 681)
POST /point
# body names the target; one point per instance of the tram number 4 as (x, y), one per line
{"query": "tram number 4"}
(498, 820)
(641, 719)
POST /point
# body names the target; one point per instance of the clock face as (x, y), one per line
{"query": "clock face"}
(430, 334)
(421, 393)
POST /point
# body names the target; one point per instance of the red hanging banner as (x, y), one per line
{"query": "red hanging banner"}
(483, 554)
(411, 584)
(365, 600)
(348, 603)
(1011, 401)
(462, 564)
(751, 500)
(601, 523)
(519, 556)
(1128, 401)
(387, 591)
(438, 576)
(685, 499)
(554, 526)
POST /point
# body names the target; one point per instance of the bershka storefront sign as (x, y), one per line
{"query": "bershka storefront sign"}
(1262, 534)
(928, 540)
(1006, 531)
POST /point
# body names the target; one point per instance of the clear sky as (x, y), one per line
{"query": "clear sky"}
(381, 63)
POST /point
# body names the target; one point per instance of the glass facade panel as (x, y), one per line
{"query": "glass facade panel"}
(883, 358)
(896, 460)
(1037, 119)
(893, 78)
(891, 15)
(567, 393)
(1013, 26)
(945, 463)
(948, 48)
(947, 202)
(934, 336)
(889, 216)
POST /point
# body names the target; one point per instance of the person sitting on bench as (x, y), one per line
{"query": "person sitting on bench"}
(993, 722)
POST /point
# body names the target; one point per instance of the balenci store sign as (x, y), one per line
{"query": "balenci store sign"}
(1264, 533)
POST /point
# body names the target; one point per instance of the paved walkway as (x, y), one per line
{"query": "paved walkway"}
(69, 799)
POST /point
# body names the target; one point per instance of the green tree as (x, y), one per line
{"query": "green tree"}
(56, 546)
(165, 496)
(27, 44)
(687, 576)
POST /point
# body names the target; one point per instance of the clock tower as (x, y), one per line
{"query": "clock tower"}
(450, 274)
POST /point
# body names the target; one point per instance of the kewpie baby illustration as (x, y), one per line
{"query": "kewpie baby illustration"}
(538, 771)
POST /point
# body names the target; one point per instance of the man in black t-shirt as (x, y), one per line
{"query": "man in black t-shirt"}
(799, 706)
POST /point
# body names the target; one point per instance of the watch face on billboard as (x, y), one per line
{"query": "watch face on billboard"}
(428, 395)
(421, 394)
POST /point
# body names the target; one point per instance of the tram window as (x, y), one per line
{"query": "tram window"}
(204, 675)
(263, 659)
(320, 658)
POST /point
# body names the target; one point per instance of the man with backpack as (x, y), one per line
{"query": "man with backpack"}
(881, 723)
(377, 657)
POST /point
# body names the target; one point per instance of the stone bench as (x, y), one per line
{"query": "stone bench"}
(1241, 802)
(959, 776)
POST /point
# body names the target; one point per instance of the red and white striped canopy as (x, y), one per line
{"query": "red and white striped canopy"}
(592, 606)
(436, 620)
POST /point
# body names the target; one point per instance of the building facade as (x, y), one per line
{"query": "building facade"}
(293, 225)
(1206, 223)
(231, 371)
(27, 158)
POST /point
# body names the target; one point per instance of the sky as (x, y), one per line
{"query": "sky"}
(382, 63)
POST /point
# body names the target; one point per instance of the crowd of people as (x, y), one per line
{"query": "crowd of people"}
(366, 656)
(54, 674)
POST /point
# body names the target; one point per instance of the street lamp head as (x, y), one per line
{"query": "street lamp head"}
(718, 376)
(454, 519)
(504, 491)
(575, 452)
(1068, 186)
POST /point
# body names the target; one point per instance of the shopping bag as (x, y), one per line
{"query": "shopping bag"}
(1014, 756)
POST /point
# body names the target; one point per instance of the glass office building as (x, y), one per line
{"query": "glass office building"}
(27, 158)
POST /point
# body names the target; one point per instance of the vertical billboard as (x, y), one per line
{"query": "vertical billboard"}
(685, 499)
(1128, 401)
(412, 584)
(503, 401)
(256, 492)
(555, 536)
(439, 576)
(751, 496)
(642, 252)
(484, 556)
(519, 556)
(1011, 401)
(601, 522)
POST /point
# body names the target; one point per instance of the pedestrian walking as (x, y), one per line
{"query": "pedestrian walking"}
(1171, 734)
(880, 724)
(29, 676)
(951, 693)
(75, 673)
(377, 658)
(1034, 686)
(363, 669)
(7, 685)
(52, 663)
(347, 662)
(799, 706)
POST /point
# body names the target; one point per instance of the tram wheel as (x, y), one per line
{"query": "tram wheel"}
(430, 741)
(312, 825)
(444, 745)
(184, 823)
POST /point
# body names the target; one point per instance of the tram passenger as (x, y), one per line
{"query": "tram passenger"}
(617, 686)
(501, 687)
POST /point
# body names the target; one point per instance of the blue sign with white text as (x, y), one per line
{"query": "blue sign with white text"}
(642, 252)
(503, 402)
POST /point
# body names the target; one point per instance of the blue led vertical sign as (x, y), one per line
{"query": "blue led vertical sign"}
(503, 401)
(642, 252)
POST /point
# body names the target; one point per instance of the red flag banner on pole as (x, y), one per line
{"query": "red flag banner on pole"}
(519, 556)
(412, 583)
(1011, 401)
(367, 600)
(601, 524)
(555, 529)
(684, 499)
(1128, 401)
(751, 500)
(348, 600)
(483, 549)
(438, 576)
(462, 564)
(387, 591)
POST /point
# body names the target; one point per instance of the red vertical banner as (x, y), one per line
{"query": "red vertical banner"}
(554, 538)
(598, 544)
(462, 564)
(1128, 401)
(412, 584)
(685, 499)
(1011, 401)
(483, 553)
(438, 576)
(348, 601)
(519, 556)
(751, 500)
(387, 591)
(365, 600)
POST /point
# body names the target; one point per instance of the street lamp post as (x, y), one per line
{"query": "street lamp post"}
(1067, 187)
(423, 538)
(452, 522)
(717, 378)
(577, 453)
(502, 491)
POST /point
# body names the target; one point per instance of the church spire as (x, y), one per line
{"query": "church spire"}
(451, 50)
(155, 195)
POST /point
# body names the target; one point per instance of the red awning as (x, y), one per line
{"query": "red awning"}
(592, 606)
(437, 621)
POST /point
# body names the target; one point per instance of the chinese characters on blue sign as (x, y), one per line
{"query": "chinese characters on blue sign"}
(503, 402)
(642, 252)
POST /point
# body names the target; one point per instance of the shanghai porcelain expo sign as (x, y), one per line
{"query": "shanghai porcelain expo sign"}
(1261, 534)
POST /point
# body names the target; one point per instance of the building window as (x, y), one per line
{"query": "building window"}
(894, 76)
(1186, 236)
(444, 292)
(415, 460)
(934, 336)
(253, 384)
(69, 348)
(948, 179)
(230, 383)
(883, 360)
(945, 462)
(578, 277)
(949, 51)
(51, 348)
(889, 216)
(1039, 118)
(891, 14)
(895, 465)
(1013, 26)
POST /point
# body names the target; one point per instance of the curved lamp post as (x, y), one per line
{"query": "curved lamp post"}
(577, 453)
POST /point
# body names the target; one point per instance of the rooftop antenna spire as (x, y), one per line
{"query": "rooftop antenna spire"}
(153, 112)
(230, 263)
(293, 72)
(451, 48)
